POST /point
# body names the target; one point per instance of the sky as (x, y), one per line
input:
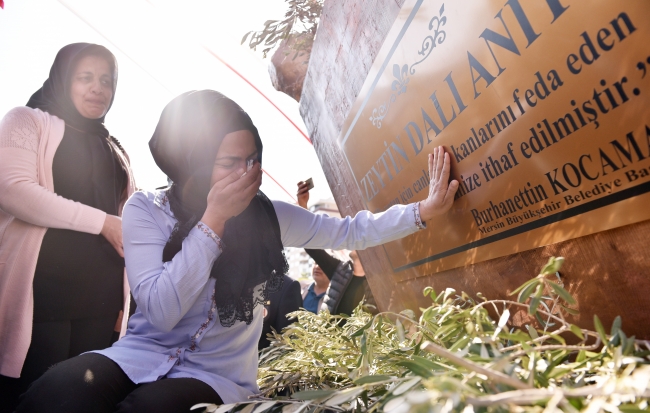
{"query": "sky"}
(163, 49)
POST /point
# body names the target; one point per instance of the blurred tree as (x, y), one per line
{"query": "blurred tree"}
(299, 23)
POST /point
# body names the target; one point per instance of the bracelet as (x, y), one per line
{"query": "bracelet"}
(211, 234)
(416, 215)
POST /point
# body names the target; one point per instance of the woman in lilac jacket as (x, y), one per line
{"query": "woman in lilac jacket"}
(201, 257)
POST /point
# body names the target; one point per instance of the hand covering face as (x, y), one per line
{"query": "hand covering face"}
(185, 146)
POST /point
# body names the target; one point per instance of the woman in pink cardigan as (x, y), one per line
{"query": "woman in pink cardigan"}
(63, 182)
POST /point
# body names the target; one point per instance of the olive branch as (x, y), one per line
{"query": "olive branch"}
(455, 357)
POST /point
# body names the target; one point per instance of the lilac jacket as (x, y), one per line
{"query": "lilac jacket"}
(175, 331)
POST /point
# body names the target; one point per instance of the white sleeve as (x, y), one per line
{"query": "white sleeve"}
(303, 229)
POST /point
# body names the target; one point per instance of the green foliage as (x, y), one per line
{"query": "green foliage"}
(454, 358)
(299, 23)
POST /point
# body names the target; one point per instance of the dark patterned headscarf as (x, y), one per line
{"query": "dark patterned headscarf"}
(185, 146)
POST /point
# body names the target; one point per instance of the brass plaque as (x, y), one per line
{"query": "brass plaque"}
(544, 106)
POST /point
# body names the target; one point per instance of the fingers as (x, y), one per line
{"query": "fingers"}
(303, 187)
(112, 231)
(230, 179)
(436, 162)
(250, 176)
(451, 191)
(440, 161)
(231, 195)
(444, 170)
(236, 188)
(439, 168)
(238, 181)
(247, 186)
(118, 323)
(441, 191)
(257, 182)
(116, 242)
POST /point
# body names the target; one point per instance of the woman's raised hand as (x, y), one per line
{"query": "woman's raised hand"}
(230, 196)
(112, 231)
(303, 194)
(441, 193)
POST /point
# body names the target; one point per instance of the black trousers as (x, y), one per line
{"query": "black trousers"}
(53, 342)
(94, 383)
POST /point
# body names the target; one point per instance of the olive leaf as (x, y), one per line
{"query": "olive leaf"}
(564, 294)
(455, 357)
(344, 396)
(576, 330)
(600, 329)
(372, 379)
(552, 266)
(616, 325)
(312, 394)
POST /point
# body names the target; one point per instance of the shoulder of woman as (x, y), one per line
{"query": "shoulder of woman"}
(26, 117)
(24, 113)
(141, 198)
(21, 127)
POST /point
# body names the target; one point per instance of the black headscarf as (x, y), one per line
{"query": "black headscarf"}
(54, 96)
(185, 146)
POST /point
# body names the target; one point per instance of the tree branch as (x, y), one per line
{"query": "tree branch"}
(470, 365)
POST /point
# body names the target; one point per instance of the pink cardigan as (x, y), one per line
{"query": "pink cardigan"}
(28, 206)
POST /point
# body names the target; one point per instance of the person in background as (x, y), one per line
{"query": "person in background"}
(312, 296)
(348, 285)
(276, 308)
(63, 183)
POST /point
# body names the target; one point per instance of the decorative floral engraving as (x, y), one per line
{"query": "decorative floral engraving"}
(429, 42)
(402, 73)
(399, 87)
(379, 113)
